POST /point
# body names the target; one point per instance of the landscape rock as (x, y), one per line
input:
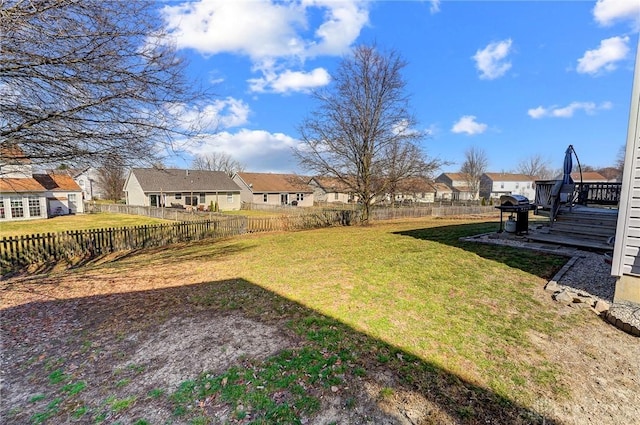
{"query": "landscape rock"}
(601, 306)
(552, 286)
(564, 296)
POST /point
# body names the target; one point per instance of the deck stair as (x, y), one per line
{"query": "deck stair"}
(584, 227)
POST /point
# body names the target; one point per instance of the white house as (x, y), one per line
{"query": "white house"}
(25, 195)
(181, 189)
(331, 190)
(494, 185)
(457, 182)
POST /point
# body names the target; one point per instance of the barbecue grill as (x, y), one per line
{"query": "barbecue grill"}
(518, 205)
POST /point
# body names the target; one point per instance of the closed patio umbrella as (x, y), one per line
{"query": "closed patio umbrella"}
(567, 166)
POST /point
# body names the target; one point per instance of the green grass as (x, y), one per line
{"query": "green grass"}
(447, 318)
(75, 222)
(410, 298)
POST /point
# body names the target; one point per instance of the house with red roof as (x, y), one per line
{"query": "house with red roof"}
(27, 195)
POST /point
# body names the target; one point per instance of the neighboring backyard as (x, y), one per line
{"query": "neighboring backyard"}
(395, 323)
(75, 222)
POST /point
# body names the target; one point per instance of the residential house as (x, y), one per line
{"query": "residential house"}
(275, 189)
(331, 190)
(415, 189)
(460, 189)
(26, 195)
(494, 185)
(170, 187)
(442, 192)
(625, 265)
(88, 180)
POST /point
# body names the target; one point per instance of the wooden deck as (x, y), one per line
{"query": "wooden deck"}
(579, 226)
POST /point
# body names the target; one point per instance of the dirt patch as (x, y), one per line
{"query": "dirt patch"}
(201, 345)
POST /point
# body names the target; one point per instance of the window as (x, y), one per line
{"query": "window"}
(178, 195)
(265, 197)
(501, 185)
(230, 198)
(17, 208)
(191, 200)
(203, 198)
(34, 206)
(335, 196)
(517, 185)
(299, 197)
(2, 208)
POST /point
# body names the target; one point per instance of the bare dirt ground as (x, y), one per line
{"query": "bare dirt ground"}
(125, 346)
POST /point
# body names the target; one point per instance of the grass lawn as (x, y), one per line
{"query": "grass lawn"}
(75, 222)
(452, 321)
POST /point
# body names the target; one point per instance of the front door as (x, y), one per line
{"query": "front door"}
(284, 198)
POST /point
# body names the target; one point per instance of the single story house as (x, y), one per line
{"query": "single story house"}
(494, 185)
(331, 190)
(170, 187)
(275, 189)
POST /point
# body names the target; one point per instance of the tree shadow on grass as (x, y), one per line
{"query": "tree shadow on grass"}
(536, 263)
(327, 372)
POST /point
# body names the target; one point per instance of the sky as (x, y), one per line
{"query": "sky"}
(512, 78)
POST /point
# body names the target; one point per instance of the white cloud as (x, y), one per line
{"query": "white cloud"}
(611, 50)
(289, 81)
(491, 61)
(606, 12)
(435, 7)
(341, 27)
(467, 124)
(273, 34)
(265, 29)
(590, 108)
(258, 150)
(221, 114)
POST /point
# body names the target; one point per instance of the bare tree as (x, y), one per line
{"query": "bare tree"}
(81, 80)
(111, 178)
(217, 161)
(535, 166)
(362, 132)
(473, 167)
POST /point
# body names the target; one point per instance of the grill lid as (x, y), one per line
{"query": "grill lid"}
(513, 200)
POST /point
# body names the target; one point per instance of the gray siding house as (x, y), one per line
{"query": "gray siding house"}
(178, 188)
(626, 255)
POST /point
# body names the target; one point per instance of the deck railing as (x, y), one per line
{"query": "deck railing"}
(598, 193)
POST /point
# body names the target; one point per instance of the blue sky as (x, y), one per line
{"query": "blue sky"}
(513, 78)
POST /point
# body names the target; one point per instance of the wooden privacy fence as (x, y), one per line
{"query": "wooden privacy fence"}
(431, 211)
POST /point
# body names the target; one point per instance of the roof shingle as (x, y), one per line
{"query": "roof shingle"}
(177, 180)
